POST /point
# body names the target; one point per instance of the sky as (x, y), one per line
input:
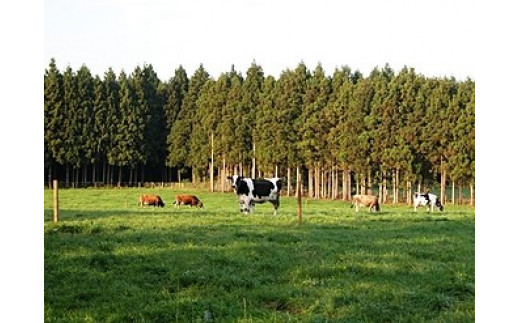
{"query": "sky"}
(435, 37)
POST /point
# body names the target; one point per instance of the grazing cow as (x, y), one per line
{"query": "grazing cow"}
(370, 201)
(428, 200)
(190, 200)
(154, 200)
(256, 191)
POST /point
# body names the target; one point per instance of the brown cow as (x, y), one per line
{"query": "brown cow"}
(190, 200)
(154, 200)
(370, 201)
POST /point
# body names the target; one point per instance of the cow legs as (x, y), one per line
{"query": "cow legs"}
(276, 204)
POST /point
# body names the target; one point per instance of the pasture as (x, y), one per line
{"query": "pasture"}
(110, 260)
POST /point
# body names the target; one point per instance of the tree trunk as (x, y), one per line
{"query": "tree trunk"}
(253, 166)
(317, 182)
(211, 165)
(472, 200)
(336, 184)
(384, 188)
(311, 183)
(331, 183)
(453, 192)
(362, 183)
(85, 173)
(179, 180)
(349, 183)
(111, 169)
(395, 186)
(130, 177)
(104, 175)
(288, 181)
(67, 174)
(443, 181)
(120, 176)
(223, 175)
(299, 194)
(344, 183)
(369, 180)
(49, 176)
(109, 175)
(380, 191)
(76, 179)
(461, 197)
(408, 192)
(397, 180)
(94, 179)
(298, 183)
(323, 182)
(219, 176)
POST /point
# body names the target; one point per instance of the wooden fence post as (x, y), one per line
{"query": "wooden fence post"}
(56, 200)
(299, 194)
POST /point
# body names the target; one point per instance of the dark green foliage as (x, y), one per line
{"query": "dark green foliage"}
(71, 118)
(387, 123)
(462, 146)
(87, 138)
(177, 88)
(180, 132)
(53, 107)
(113, 118)
(265, 121)
(312, 124)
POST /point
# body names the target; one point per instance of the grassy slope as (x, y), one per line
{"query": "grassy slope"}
(110, 260)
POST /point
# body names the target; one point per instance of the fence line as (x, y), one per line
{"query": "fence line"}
(187, 184)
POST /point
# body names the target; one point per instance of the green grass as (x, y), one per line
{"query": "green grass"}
(110, 260)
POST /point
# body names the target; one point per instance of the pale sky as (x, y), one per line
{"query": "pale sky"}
(437, 38)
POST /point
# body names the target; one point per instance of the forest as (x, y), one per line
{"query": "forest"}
(393, 132)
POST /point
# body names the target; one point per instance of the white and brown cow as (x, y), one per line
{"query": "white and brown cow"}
(256, 191)
(370, 201)
(428, 200)
(186, 199)
(154, 200)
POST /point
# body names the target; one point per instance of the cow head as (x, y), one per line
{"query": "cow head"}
(439, 205)
(160, 202)
(235, 179)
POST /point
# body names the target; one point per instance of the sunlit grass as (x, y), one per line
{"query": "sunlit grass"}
(111, 260)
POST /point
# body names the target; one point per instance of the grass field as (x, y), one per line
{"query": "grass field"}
(109, 260)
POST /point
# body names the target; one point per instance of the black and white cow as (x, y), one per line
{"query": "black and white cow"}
(428, 200)
(256, 191)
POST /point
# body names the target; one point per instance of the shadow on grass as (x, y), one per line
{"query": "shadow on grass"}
(79, 214)
(259, 271)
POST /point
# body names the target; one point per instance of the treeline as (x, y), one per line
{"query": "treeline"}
(345, 133)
